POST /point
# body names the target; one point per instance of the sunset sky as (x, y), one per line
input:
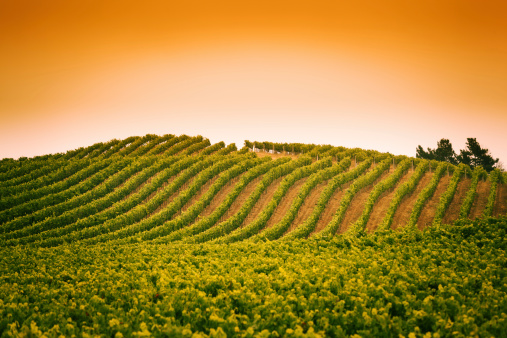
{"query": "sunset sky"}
(384, 75)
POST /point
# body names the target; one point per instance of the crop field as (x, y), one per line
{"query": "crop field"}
(173, 236)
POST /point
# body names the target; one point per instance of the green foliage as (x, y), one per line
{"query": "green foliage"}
(378, 189)
(259, 223)
(466, 205)
(111, 240)
(403, 190)
(446, 281)
(305, 229)
(475, 156)
(360, 183)
(495, 178)
(426, 194)
(220, 232)
(277, 230)
(205, 223)
(446, 198)
(443, 152)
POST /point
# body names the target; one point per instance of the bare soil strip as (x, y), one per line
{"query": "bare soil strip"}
(285, 203)
(262, 154)
(204, 189)
(263, 201)
(481, 199)
(174, 195)
(501, 200)
(452, 212)
(244, 195)
(332, 205)
(220, 196)
(148, 181)
(380, 208)
(170, 198)
(306, 208)
(428, 211)
(402, 214)
(356, 206)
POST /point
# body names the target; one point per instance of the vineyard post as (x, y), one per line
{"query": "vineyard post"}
(412, 165)
(355, 161)
(447, 170)
(394, 165)
(373, 160)
(465, 173)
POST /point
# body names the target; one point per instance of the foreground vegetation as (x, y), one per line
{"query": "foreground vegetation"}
(449, 280)
(173, 236)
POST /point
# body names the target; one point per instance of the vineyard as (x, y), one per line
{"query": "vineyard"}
(175, 236)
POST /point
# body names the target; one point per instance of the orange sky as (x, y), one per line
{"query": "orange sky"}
(386, 75)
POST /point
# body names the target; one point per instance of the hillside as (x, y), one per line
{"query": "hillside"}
(172, 236)
(166, 189)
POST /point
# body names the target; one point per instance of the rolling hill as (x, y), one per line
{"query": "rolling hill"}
(166, 189)
(171, 236)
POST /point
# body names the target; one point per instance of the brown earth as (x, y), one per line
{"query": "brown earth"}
(148, 181)
(178, 192)
(382, 204)
(197, 196)
(221, 195)
(163, 186)
(261, 154)
(120, 186)
(452, 212)
(241, 199)
(481, 199)
(500, 207)
(263, 201)
(308, 205)
(244, 195)
(332, 205)
(402, 214)
(428, 211)
(285, 203)
(356, 206)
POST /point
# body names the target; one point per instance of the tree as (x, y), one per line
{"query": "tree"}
(443, 152)
(475, 156)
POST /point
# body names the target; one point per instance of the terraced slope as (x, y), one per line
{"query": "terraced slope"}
(162, 189)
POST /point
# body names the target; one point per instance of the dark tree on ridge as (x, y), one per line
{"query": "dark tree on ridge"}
(473, 156)
(443, 152)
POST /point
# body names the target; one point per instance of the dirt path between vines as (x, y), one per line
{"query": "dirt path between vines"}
(382, 204)
(428, 211)
(356, 206)
(221, 195)
(402, 214)
(332, 206)
(452, 212)
(244, 195)
(308, 205)
(501, 200)
(481, 199)
(334, 203)
(171, 197)
(262, 154)
(262, 202)
(285, 203)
